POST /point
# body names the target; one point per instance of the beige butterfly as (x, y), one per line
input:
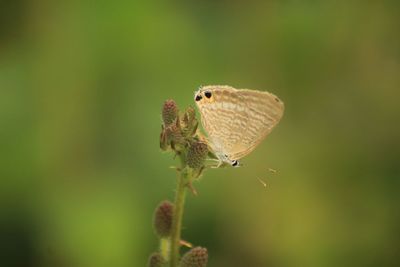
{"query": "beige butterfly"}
(236, 120)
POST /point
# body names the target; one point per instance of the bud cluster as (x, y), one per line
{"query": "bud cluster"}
(179, 133)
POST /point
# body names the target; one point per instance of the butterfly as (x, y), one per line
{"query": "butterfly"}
(236, 120)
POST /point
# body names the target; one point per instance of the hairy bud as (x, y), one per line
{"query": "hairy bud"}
(156, 260)
(174, 137)
(196, 257)
(197, 154)
(189, 122)
(162, 220)
(169, 112)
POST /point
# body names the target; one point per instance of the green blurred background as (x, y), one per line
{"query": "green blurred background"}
(81, 88)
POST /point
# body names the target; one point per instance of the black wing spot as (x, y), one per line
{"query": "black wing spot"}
(208, 94)
(198, 98)
(235, 163)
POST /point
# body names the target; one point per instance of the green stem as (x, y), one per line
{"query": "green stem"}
(165, 244)
(178, 213)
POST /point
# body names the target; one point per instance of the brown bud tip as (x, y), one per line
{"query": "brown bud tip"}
(196, 257)
(197, 154)
(156, 260)
(174, 134)
(169, 112)
(162, 220)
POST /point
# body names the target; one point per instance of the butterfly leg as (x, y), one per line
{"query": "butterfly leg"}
(213, 163)
(219, 163)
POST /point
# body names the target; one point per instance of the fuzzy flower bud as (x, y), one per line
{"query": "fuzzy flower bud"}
(174, 137)
(191, 113)
(156, 260)
(169, 112)
(197, 154)
(162, 220)
(196, 257)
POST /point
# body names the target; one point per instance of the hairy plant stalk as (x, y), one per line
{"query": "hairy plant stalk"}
(179, 134)
(180, 195)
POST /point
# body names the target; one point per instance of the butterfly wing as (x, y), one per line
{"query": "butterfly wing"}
(264, 110)
(224, 117)
(236, 121)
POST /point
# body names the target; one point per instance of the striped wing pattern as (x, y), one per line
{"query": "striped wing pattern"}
(224, 119)
(237, 120)
(264, 111)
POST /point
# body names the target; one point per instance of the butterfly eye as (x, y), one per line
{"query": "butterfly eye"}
(198, 97)
(208, 94)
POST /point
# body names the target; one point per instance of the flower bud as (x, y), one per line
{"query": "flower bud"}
(189, 122)
(156, 260)
(169, 112)
(174, 137)
(197, 154)
(196, 257)
(162, 220)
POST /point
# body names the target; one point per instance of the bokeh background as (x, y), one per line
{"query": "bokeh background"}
(81, 88)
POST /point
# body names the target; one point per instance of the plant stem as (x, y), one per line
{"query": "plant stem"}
(178, 213)
(165, 244)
